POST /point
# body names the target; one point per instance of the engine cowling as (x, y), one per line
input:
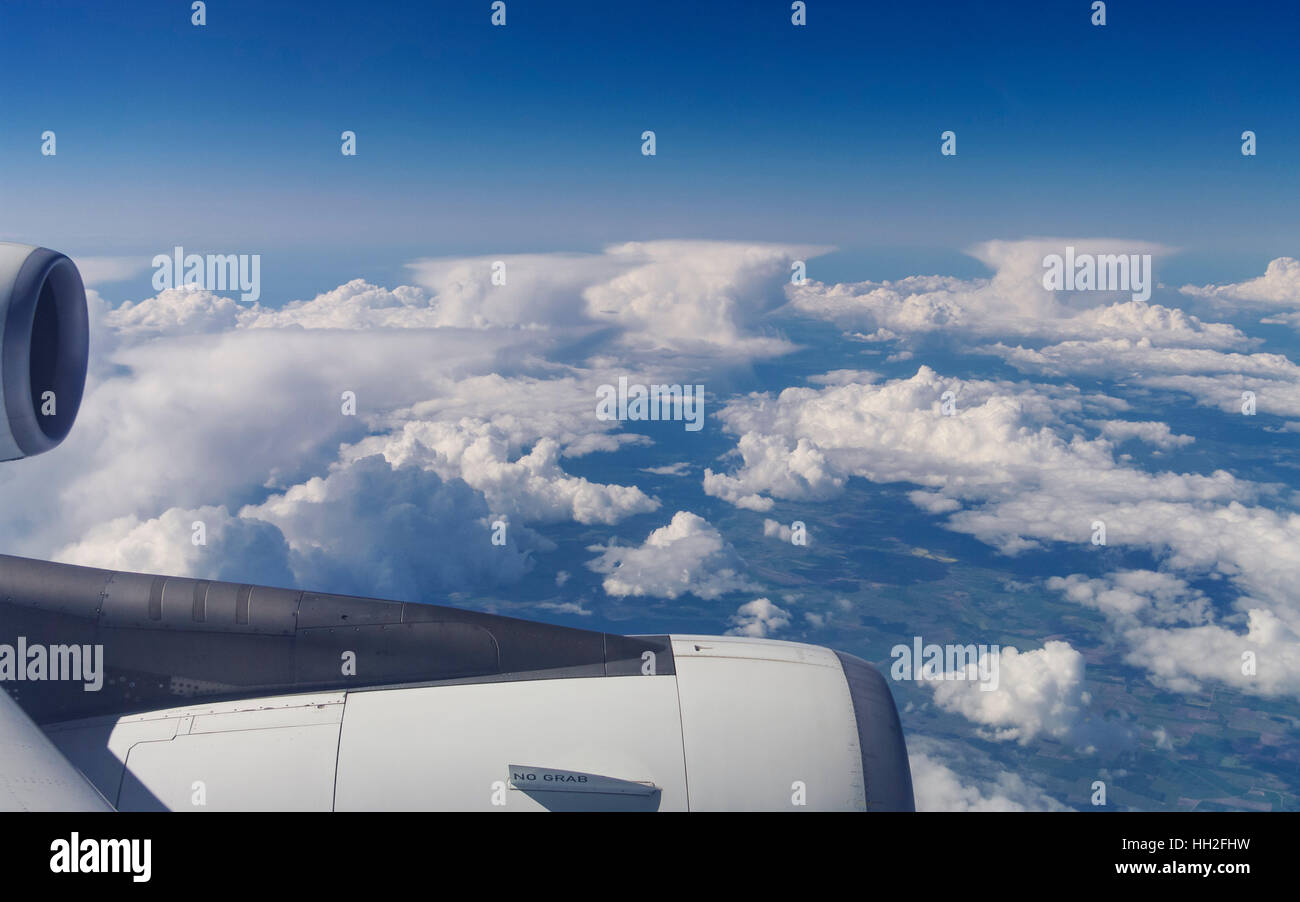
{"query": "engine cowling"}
(44, 348)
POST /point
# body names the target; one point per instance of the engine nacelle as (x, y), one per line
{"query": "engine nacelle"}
(44, 348)
(283, 699)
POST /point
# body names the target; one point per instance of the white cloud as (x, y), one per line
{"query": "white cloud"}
(806, 442)
(681, 468)
(364, 529)
(1279, 286)
(456, 437)
(1120, 357)
(355, 305)
(1011, 303)
(687, 555)
(937, 787)
(758, 619)
(1038, 692)
(1212, 377)
(176, 311)
(565, 607)
(1152, 433)
(1226, 392)
(1171, 631)
(235, 548)
(369, 528)
(1135, 596)
(541, 290)
(692, 296)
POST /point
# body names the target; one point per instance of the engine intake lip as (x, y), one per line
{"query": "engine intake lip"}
(46, 335)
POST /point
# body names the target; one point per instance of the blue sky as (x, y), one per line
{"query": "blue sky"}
(476, 139)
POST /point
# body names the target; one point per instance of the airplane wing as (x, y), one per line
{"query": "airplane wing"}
(34, 775)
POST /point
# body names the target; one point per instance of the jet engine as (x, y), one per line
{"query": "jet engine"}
(44, 347)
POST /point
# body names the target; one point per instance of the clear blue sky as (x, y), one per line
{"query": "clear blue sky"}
(475, 139)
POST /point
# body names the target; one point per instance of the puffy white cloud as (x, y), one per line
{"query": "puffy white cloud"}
(1152, 433)
(1120, 357)
(1226, 392)
(1280, 286)
(693, 296)
(1037, 692)
(806, 442)
(758, 619)
(1147, 344)
(1011, 303)
(934, 502)
(1018, 265)
(175, 311)
(540, 289)
(1183, 659)
(354, 305)
(704, 296)
(478, 430)
(1134, 596)
(233, 548)
(532, 486)
(199, 420)
(797, 470)
(369, 528)
(1212, 378)
(1170, 630)
(687, 555)
(366, 528)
